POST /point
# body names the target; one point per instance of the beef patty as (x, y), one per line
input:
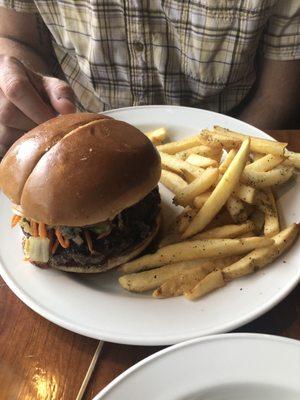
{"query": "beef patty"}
(126, 231)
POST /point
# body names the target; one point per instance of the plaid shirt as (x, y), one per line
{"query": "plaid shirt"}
(197, 53)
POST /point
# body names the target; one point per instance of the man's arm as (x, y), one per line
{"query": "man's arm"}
(27, 95)
(275, 100)
(25, 37)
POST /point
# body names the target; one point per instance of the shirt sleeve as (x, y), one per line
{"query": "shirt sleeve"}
(20, 5)
(281, 39)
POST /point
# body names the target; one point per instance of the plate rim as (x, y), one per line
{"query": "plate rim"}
(203, 339)
(141, 341)
(146, 340)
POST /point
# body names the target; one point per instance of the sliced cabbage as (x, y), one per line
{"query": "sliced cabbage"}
(26, 226)
(37, 249)
(78, 240)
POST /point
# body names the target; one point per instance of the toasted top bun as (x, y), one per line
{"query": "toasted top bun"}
(79, 169)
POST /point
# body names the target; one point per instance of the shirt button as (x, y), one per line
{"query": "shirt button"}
(138, 46)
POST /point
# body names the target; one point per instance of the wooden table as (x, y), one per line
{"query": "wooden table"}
(41, 361)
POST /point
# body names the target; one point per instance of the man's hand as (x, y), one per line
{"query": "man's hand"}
(28, 99)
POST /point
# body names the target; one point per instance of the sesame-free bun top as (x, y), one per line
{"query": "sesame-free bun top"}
(79, 169)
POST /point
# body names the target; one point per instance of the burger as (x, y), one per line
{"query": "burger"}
(84, 191)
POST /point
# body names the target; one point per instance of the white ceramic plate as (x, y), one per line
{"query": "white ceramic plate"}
(96, 306)
(222, 367)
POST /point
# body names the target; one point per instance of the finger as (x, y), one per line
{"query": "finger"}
(60, 94)
(8, 136)
(12, 117)
(18, 89)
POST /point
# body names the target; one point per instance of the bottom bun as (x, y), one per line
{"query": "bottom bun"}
(110, 263)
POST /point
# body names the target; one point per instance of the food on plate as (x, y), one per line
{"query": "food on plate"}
(179, 166)
(229, 226)
(172, 181)
(259, 258)
(236, 209)
(202, 150)
(201, 161)
(84, 191)
(157, 136)
(265, 163)
(263, 179)
(224, 136)
(227, 161)
(214, 280)
(193, 249)
(245, 193)
(198, 186)
(153, 278)
(180, 145)
(221, 193)
(226, 231)
(188, 278)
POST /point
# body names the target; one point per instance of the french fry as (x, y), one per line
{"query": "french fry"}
(172, 181)
(186, 218)
(201, 199)
(226, 231)
(213, 138)
(245, 193)
(196, 249)
(229, 157)
(271, 227)
(226, 203)
(257, 145)
(200, 161)
(182, 220)
(201, 150)
(221, 192)
(180, 145)
(292, 158)
(179, 166)
(262, 180)
(212, 281)
(265, 163)
(179, 284)
(211, 143)
(158, 136)
(190, 176)
(153, 278)
(259, 258)
(171, 163)
(236, 209)
(198, 186)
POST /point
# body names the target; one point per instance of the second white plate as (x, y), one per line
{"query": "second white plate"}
(222, 367)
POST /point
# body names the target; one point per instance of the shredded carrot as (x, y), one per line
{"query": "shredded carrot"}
(15, 219)
(89, 241)
(42, 230)
(34, 226)
(65, 243)
(54, 247)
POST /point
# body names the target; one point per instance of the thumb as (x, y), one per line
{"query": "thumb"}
(60, 94)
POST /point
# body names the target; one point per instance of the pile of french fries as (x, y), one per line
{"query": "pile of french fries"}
(229, 225)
